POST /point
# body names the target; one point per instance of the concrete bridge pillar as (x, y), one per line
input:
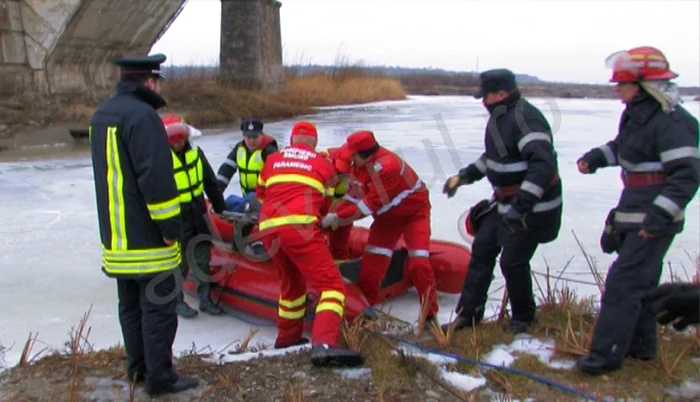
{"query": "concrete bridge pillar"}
(69, 46)
(251, 45)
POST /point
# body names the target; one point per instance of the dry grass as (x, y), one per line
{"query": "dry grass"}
(196, 94)
(356, 333)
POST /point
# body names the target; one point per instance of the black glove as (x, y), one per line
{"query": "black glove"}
(656, 221)
(515, 220)
(678, 302)
(611, 240)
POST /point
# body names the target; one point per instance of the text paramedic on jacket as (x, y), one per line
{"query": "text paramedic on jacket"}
(138, 211)
(400, 204)
(294, 189)
(657, 149)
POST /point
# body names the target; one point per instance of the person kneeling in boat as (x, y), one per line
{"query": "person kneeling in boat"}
(347, 191)
(248, 158)
(193, 176)
(293, 191)
(400, 204)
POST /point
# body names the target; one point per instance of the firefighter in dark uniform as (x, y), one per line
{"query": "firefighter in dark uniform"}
(248, 158)
(657, 149)
(139, 219)
(194, 177)
(521, 165)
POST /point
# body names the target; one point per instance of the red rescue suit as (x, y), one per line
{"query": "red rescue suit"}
(400, 205)
(348, 190)
(292, 189)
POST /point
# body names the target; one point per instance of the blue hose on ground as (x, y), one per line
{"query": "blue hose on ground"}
(467, 360)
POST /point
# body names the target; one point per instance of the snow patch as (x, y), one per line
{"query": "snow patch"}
(354, 373)
(463, 381)
(224, 358)
(436, 359)
(499, 356)
(543, 350)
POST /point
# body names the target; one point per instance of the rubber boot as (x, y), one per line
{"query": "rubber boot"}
(205, 304)
(177, 384)
(184, 310)
(520, 327)
(324, 355)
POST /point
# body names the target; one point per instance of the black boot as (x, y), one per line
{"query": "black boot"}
(460, 324)
(324, 355)
(520, 327)
(177, 384)
(184, 310)
(205, 304)
(593, 365)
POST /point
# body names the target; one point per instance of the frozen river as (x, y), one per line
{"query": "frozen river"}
(50, 254)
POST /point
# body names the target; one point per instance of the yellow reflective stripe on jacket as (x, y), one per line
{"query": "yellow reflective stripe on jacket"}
(287, 220)
(189, 177)
(164, 210)
(331, 300)
(249, 168)
(115, 190)
(142, 261)
(298, 179)
(292, 309)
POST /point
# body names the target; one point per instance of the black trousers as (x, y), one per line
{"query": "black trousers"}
(515, 266)
(623, 326)
(149, 324)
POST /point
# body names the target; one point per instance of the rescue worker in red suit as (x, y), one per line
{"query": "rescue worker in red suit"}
(400, 205)
(347, 191)
(293, 189)
(656, 148)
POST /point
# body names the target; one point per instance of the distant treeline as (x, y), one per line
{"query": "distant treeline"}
(428, 81)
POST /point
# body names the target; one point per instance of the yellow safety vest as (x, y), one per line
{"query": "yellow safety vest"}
(249, 168)
(190, 177)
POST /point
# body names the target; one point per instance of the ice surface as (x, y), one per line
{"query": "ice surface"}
(50, 249)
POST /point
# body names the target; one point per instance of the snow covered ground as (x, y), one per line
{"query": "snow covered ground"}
(50, 254)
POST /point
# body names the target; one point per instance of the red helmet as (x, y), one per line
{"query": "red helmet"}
(644, 63)
(177, 128)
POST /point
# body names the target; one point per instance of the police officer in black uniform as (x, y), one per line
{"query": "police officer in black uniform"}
(139, 218)
(521, 165)
(657, 149)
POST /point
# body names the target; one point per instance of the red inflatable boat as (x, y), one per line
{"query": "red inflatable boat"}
(248, 281)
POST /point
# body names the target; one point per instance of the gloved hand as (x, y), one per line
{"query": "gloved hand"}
(611, 239)
(678, 302)
(330, 220)
(515, 220)
(451, 185)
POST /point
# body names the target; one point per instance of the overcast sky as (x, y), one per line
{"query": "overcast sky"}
(562, 40)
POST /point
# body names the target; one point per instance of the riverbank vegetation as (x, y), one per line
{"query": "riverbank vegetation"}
(393, 371)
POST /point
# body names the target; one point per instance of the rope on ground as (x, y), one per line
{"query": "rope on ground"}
(406, 360)
(473, 362)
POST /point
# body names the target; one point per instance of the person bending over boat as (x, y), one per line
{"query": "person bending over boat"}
(293, 189)
(657, 149)
(194, 177)
(521, 164)
(347, 191)
(399, 202)
(248, 158)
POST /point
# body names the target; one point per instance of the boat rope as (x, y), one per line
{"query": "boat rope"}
(405, 359)
(463, 359)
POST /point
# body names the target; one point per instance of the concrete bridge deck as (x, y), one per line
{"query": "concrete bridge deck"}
(67, 46)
